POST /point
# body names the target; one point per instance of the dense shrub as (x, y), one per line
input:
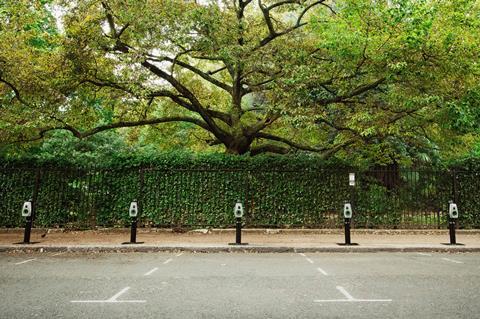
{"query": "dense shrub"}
(200, 190)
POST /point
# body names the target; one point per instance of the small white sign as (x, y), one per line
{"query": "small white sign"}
(351, 179)
(453, 210)
(238, 210)
(347, 210)
(133, 211)
(27, 209)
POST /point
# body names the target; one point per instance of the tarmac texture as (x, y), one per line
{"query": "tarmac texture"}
(239, 285)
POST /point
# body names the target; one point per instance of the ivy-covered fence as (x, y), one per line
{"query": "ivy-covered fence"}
(85, 198)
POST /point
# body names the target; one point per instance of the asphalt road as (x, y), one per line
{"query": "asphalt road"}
(238, 285)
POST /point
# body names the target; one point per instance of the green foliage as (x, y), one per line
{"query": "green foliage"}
(200, 190)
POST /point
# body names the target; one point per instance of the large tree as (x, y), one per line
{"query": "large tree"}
(255, 76)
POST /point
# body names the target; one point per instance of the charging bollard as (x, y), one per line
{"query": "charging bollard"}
(347, 215)
(27, 213)
(452, 221)
(238, 212)
(133, 212)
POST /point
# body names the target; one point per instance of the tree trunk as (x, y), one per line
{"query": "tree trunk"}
(238, 145)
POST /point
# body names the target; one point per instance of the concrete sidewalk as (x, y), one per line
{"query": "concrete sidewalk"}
(259, 240)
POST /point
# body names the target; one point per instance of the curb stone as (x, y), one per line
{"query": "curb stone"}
(233, 249)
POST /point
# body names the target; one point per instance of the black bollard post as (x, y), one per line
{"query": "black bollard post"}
(133, 233)
(238, 233)
(28, 230)
(133, 212)
(238, 212)
(451, 226)
(452, 221)
(347, 222)
(27, 212)
(347, 231)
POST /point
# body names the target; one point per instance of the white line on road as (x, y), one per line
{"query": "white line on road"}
(178, 255)
(167, 261)
(350, 298)
(26, 261)
(345, 293)
(425, 254)
(302, 254)
(323, 272)
(113, 299)
(309, 260)
(151, 271)
(118, 294)
(453, 261)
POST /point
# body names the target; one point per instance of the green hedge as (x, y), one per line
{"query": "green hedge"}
(191, 191)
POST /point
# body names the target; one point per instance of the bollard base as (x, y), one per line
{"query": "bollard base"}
(345, 244)
(135, 243)
(236, 244)
(29, 243)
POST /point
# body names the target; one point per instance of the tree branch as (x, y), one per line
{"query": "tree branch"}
(357, 91)
(184, 91)
(325, 151)
(79, 134)
(178, 100)
(15, 90)
(272, 33)
(204, 75)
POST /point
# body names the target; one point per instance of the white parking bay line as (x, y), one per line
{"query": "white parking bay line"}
(118, 294)
(151, 271)
(323, 272)
(26, 261)
(350, 298)
(178, 255)
(167, 261)
(113, 299)
(309, 260)
(453, 261)
(424, 254)
(302, 254)
(345, 293)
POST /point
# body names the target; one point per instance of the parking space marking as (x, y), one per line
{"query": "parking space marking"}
(425, 254)
(345, 293)
(58, 254)
(113, 299)
(178, 255)
(302, 254)
(323, 272)
(309, 260)
(26, 261)
(151, 271)
(453, 261)
(167, 261)
(350, 298)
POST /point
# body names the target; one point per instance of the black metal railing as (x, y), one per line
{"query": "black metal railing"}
(85, 198)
